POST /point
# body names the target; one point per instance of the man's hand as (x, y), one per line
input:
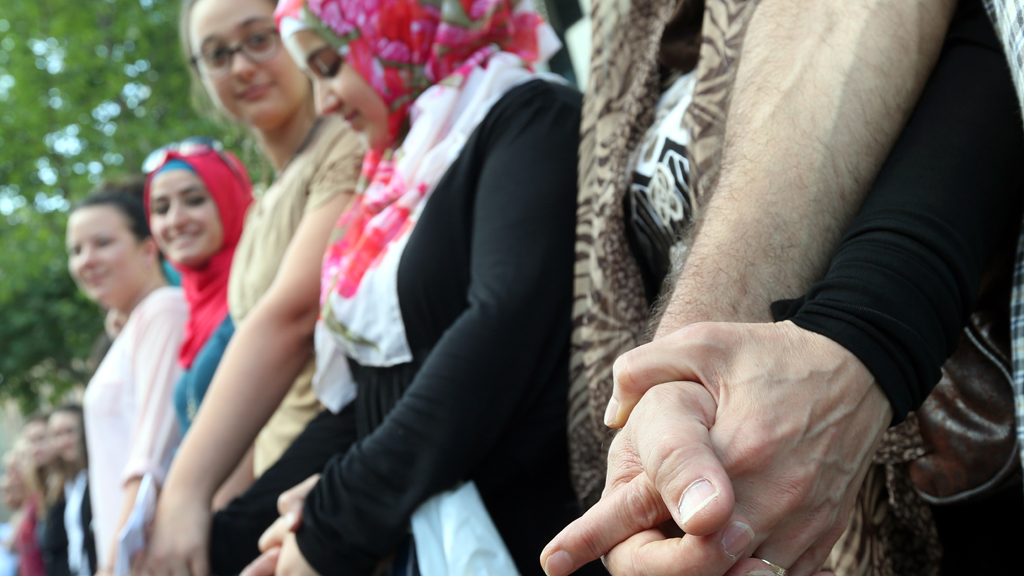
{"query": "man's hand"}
(753, 438)
(289, 506)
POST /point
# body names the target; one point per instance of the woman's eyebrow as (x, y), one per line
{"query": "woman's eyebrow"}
(191, 189)
(245, 24)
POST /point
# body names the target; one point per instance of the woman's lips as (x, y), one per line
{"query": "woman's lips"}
(254, 92)
(92, 280)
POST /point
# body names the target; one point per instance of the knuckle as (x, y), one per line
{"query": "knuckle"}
(642, 506)
(625, 371)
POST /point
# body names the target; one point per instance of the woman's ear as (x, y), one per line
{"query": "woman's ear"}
(150, 250)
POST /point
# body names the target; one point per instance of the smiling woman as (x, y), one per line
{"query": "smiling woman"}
(130, 424)
(196, 197)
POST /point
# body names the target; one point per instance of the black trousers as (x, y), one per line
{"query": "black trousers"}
(237, 528)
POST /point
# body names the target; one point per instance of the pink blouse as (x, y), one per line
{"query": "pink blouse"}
(130, 425)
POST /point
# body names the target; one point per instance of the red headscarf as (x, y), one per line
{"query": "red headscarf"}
(206, 287)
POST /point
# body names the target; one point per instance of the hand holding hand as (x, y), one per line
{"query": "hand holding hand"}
(753, 438)
(289, 506)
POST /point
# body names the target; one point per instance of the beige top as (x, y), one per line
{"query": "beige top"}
(328, 166)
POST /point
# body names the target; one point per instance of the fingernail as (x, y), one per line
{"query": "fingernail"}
(736, 538)
(558, 564)
(611, 412)
(695, 498)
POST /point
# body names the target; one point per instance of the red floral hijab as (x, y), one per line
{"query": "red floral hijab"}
(206, 288)
(402, 47)
(439, 65)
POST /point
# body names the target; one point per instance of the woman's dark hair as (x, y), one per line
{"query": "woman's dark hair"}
(125, 196)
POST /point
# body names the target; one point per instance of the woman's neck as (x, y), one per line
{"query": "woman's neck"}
(155, 281)
(280, 144)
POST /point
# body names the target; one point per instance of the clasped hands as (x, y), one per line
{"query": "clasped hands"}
(280, 554)
(754, 439)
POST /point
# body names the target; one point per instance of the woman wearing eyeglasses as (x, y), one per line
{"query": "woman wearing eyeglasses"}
(196, 198)
(131, 429)
(239, 64)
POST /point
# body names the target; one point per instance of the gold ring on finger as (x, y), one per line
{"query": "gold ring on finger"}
(776, 569)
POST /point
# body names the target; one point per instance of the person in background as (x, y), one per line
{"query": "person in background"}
(69, 547)
(131, 429)
(196, 198)
(35, 434)
(12, 497)
(238, 62)
(26, 483)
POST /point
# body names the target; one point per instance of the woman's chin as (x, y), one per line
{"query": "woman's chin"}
(263, 116)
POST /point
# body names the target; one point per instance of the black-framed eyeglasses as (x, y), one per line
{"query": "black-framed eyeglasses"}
(258, 46)
(325, 62)
(192, 146)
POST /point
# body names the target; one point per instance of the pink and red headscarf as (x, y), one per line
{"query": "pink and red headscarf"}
(402, 47)
(438, 65)
(206, 287)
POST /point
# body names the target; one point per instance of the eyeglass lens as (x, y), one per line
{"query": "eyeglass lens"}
(325, 62)
(257, 46)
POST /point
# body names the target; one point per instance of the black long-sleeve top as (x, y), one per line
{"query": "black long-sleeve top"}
(485, 289)
(906, 275)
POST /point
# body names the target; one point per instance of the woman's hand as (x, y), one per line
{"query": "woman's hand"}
(179, 539)
(292, 562)
(273, 540)
(753, 438)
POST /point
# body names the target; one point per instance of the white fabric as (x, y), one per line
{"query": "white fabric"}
(131, 428)
(74, 495)
(332, 381)
(8, 559)
(660, 168)
(455, 536)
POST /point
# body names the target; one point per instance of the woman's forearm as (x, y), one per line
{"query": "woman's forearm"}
(266, 354)
(259, 366)
(238, 482)
(131, 491)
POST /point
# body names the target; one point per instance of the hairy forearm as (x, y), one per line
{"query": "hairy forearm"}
(822, 92)
(259, 366)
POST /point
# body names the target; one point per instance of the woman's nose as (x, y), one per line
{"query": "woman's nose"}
(85, 258)
(176, 215)
(326, 100)
(242, 66)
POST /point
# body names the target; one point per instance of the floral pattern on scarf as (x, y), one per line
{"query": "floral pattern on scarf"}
(439, 65)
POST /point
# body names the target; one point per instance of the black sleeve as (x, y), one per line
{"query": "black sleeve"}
(905, 277)
(54, 543)
(487, 363)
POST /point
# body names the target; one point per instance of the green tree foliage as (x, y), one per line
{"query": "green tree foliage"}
(87, 90)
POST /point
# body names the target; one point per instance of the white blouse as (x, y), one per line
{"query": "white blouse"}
(130, 425)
